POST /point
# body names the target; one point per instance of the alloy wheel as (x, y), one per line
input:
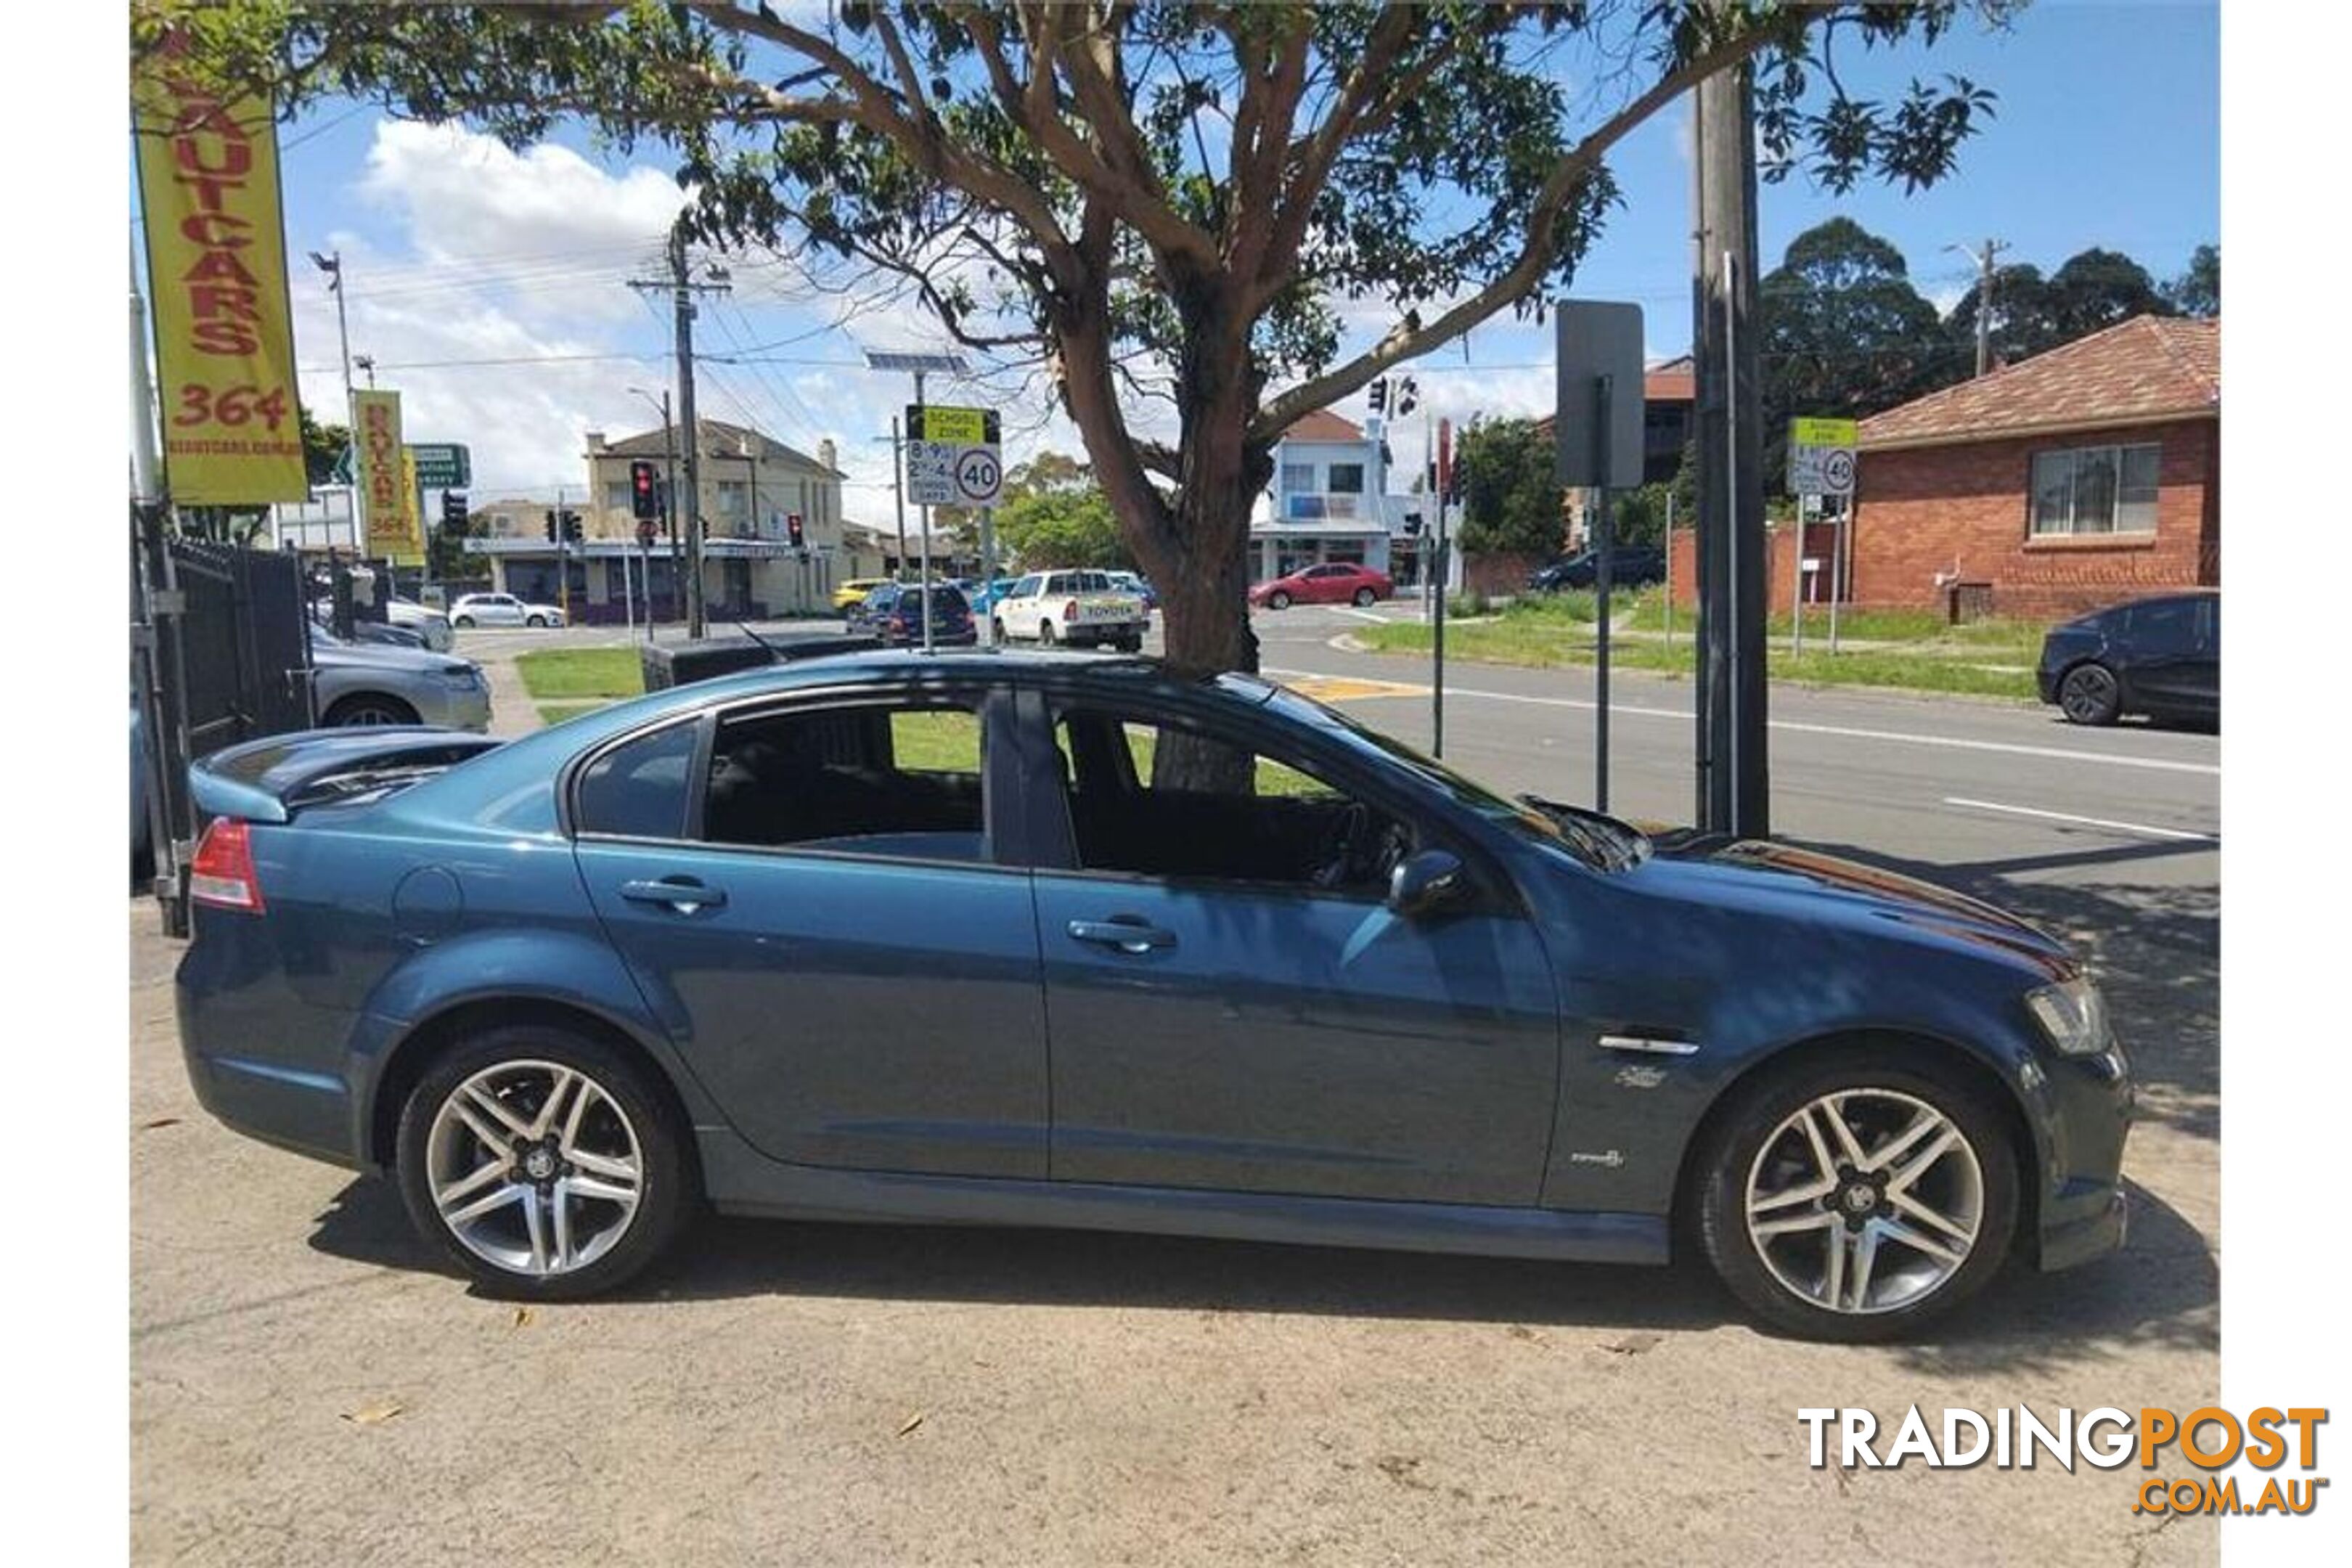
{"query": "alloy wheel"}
(534, 1168)
(2088, 696)
(1865, 1201)
(368, 712)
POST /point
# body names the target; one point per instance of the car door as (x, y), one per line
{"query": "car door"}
(1216, 1019)
(2205, 674)
(2161, 667)
(816, 913)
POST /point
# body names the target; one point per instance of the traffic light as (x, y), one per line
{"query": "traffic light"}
(1413, 524)
(1408, 397)
(793, 529)
(644, 495)
(551, 527)
(572, 526)
(1379, 394)
(648, 532)
(453, 511)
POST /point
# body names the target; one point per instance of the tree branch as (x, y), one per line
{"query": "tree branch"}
(1404, 342)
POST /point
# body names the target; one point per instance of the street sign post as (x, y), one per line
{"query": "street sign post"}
(954, 457)
(1820, 464)
(1598, 435)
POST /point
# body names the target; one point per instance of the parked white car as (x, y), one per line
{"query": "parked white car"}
(425, 621)
(502, 610)
(1081, 608)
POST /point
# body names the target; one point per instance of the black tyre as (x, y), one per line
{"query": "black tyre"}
(1277, 600)
(534, 620)
(369, 708)
(1046, 633)
(1857, 1196)
(463, 622)
(545, 1163)
(1130, 645)
(1364, 596)
(998, 624)
(2090, 694)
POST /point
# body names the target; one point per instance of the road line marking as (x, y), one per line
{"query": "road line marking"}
(2139, 828)
(2009, 748)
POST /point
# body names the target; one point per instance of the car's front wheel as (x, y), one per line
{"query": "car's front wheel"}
(1364, 596)
(534, 620)
(1277, 600)
(545, 1163)
(369, 708)
(2091, 695)
(1855, 1196)
(463, 622)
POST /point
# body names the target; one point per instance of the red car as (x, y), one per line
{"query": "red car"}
(1334, 584)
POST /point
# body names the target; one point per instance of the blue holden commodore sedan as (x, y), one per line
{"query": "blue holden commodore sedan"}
(1054, 941)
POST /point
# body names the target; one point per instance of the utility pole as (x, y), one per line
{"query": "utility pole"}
(331, 264)
(1734, 784)
(682, 289)
(1983, 258)
(898, 489)
(157, 665)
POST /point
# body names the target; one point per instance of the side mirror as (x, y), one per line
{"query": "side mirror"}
(1423, 883)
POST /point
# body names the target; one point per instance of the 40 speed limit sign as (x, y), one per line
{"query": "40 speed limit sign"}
(953, 456)
(1820, 456)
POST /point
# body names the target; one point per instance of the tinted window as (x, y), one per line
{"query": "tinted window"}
(2165, 626)
(1257, 818)
(1024, 589)
(637, 789)
(874, 778)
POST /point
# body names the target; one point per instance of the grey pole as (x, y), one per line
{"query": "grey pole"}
(684, 306)
(1670, 571)
(898, 489)
(927, 538)
(156, 666)
(1797, 590)
(1604, 542)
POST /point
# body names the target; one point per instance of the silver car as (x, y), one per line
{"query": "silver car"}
(425, 621)
(502, 610)
(357, 683)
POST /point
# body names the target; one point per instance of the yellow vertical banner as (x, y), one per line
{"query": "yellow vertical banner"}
(217, 279)
(386, 495)
(411, 507)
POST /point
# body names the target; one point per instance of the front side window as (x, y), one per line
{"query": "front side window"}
(2095, 490)
(1296, 476)
(1346, 479)
(1149, 797)
(1024, 589)
(900, 779)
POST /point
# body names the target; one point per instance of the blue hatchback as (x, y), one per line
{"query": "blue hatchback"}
(1073, 942)
(894, 613)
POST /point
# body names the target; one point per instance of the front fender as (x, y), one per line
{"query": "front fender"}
(574, 970)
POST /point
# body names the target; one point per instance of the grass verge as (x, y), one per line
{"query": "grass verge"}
(560, 674)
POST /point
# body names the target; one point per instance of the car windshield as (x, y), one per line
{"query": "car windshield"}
(1589, 838)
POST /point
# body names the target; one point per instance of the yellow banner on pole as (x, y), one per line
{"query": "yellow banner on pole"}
(412, 511)
(386, 492)
(217, 278)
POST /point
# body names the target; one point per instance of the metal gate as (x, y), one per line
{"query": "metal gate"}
(247, 661)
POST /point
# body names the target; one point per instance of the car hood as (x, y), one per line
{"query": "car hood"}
(382, 655)
(1758, 874)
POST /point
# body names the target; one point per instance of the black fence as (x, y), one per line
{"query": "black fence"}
(247, 669)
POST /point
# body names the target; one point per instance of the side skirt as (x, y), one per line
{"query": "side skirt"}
(743, 1181)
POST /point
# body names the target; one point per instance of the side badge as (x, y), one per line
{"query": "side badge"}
(1640, 1077)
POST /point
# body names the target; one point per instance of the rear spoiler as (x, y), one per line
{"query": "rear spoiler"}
(270, 779)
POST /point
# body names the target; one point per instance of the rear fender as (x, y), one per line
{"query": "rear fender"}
(573, 970)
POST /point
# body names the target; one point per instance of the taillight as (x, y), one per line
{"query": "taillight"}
(1070, 609)
(222, 874)
(898, 622)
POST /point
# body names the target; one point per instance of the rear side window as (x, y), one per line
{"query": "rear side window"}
(2169, 625)
(638, 789)
(887, 779)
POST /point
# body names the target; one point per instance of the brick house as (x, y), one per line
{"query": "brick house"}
(2084, 475)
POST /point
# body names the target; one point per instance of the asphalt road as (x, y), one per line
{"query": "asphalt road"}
(307, 1385)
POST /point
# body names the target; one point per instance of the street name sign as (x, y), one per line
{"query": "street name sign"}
(443, 464)
(954, 456)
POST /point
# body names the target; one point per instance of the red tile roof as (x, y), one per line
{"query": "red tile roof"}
(1324, 426)
(1671, 381)
(2136, 372)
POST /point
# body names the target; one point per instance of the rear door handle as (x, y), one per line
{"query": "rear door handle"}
(683, 894)
(1125, 933)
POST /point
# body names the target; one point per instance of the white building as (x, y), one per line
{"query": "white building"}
(1333, 499)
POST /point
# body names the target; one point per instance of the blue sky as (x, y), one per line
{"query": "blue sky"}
(2107, 133)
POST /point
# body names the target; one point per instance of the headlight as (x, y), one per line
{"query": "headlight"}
(2073, 1015)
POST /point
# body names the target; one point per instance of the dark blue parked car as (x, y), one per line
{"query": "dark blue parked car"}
(894, 613)
(1072, 941)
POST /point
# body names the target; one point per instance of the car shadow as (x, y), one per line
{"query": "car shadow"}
(2159, 1290)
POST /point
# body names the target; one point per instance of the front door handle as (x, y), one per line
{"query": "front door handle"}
(1128, 933)
(686, 895)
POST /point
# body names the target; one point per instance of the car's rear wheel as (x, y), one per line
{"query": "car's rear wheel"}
(1364, 596)
(1045, 633)
(2091, 695)
(463, 622)
(545, 1163)
(1857, 1196)
(370, 707)
(998, 624)
(1277, 600)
